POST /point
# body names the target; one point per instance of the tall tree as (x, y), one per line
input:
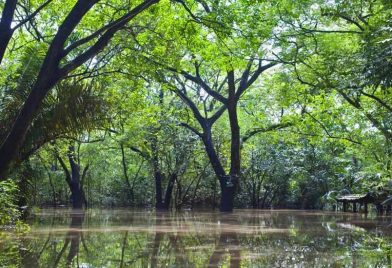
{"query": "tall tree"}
(342, 49)
(57, 65)
(210, 64)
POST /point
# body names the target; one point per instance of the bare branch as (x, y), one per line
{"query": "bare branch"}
(346, 18)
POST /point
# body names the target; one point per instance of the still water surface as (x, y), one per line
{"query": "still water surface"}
(246, 238)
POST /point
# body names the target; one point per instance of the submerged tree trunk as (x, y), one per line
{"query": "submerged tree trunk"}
(228, 183)
(164, 203)
(158, 191)
(158, 176)
(228, 190)
(74, 179)
(125, 171)
(74, 235)
(169, 190)
(76, 189)
(231, 183)
(72, 238)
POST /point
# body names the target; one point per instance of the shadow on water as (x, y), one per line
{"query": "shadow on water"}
(246, 238)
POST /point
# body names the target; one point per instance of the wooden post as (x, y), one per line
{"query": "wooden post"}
(344, 206)
(354, 207)
(366, 208)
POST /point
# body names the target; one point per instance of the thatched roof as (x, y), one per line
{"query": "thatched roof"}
(355, 198)
(387, 201)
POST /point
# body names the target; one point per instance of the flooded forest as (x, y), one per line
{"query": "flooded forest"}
(195, 133)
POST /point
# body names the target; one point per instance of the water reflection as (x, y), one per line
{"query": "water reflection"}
(228, 243)
(72, 239)
(56, 251)
(167, 243)
(120, 238)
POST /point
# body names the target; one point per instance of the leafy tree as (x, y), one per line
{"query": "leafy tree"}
(63, 56)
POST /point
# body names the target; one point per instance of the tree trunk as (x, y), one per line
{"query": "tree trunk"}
(211, 153)
(254, 199)
(23, 186)
(5, 26)
(73, 180)
(76, 189)
(53, 189)
(228, 190)
(48, 76)
(158, 191)
(51, 72)
(159, 205)
(14, 141)
(229, 183)
(169, 190)
(125, 171)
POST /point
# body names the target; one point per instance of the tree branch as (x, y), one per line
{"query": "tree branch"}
(244, 85)
(191, 105)
(105, 38)
(249, 134)
(194, 130)
(381, 102)
(140, 152)
(66, 171)
(32, 15)
(217, 114)
(327, 131)
(198, 80)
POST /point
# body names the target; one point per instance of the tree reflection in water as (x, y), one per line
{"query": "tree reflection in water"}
(228, 242)
(171, 240)
(168, 241)
(72, 239)
(195, 239)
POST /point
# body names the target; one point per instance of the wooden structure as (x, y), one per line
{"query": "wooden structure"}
(356, 199)
(381, 200)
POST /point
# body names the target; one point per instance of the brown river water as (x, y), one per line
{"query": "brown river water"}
(245, 238)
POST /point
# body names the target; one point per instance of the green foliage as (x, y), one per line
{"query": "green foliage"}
(330, 93)
(9, 211)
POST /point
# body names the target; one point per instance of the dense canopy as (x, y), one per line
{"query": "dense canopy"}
(189, 103)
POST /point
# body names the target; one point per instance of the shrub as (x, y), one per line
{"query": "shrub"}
(9, 212)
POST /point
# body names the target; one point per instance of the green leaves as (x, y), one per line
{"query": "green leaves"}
(9, 211)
